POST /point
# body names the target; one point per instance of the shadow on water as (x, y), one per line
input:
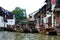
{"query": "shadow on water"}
(4, 35)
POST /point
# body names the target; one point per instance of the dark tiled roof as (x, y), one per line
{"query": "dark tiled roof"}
(2, 13)
(43, 9)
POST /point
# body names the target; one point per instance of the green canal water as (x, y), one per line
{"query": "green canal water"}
(4, 35)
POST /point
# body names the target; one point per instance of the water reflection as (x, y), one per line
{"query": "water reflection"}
(25, 36)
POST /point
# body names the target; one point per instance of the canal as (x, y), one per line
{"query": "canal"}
(4, 35)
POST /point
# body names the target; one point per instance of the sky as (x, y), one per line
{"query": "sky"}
(29, 5)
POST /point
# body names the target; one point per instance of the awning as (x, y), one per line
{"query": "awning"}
(57, 9)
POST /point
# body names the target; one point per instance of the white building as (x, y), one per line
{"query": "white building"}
(10, 18)
(9, 22)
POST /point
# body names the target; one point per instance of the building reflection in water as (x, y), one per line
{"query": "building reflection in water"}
(26, 36)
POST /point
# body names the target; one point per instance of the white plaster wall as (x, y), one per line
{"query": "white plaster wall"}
(10, 22)
(1, 22)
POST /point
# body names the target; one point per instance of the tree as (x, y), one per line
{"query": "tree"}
(20, 14)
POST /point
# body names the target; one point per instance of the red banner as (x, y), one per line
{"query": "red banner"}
(53, 1)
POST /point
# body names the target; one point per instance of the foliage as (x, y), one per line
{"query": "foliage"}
(20, 14)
